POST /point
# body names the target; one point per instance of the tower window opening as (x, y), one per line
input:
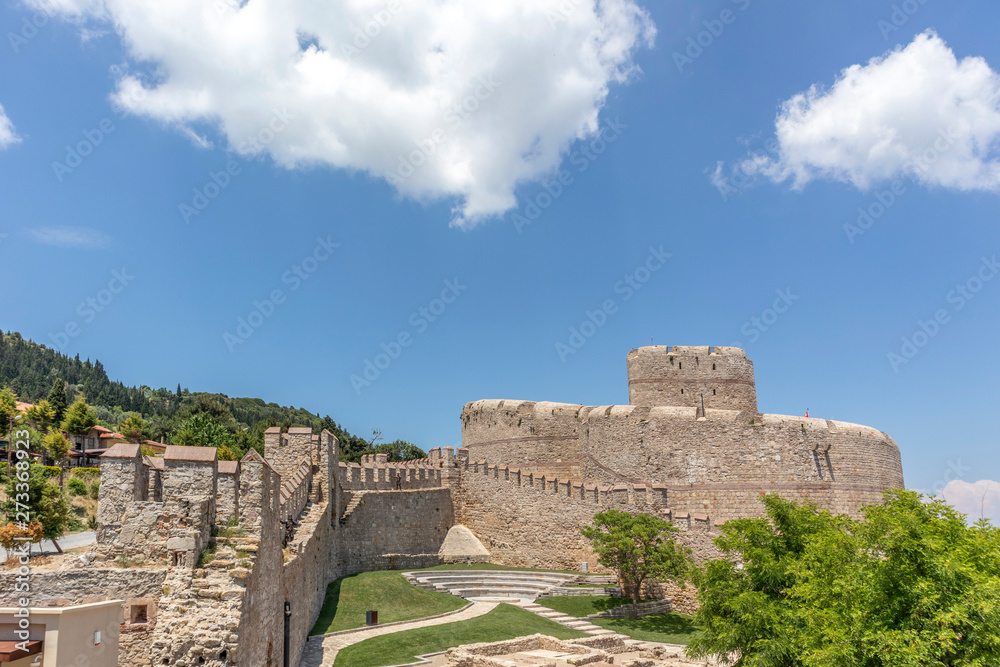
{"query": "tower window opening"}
(713, 392)
(680, 365)
(682, 391)
(713, 367)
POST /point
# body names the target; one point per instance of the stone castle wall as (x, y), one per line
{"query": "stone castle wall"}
(713, 460)
(535, 522)
(394, 530)
(684, 376)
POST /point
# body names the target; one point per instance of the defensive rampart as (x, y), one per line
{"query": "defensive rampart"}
(710, 460)
(535, 521)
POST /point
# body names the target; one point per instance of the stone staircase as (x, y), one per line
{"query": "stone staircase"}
(581, 624)
(356, 499)
(490, 584)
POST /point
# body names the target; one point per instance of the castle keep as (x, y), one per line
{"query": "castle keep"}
(691, 425)
(219, 561)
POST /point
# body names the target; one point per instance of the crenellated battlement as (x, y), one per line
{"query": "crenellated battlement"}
(691, 424)
(405, 476)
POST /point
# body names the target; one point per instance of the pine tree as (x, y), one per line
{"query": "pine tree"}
(57, 399)
(80, 417)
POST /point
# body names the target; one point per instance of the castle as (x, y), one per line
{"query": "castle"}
(227, 563)
(691, 425)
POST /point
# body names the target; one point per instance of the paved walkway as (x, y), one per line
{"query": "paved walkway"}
(321, 650)
(70, 541)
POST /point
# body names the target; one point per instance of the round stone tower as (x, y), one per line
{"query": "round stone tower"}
(683, 376)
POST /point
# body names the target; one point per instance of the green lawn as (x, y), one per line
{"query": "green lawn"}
(395, 599)
(582, 605)
(670, 628)
(490, 566)
(504, 622)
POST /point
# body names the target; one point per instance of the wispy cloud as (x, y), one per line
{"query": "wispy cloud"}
(69, 237)
(7, 135)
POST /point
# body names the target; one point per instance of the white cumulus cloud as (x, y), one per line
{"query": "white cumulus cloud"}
(7, 135)
(974, 499)
(915, 113)
(443, 98)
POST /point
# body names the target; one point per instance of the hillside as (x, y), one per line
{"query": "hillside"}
(30, 369)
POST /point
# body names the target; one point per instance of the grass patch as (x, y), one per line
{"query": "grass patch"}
(583, 605)
(396, 599)
(490, 566)
(671, 628)
(504, 622)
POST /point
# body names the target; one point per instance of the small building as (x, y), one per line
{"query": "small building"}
(72, 635)
(85, 450)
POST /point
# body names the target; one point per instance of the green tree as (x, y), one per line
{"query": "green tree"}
(639, 548)
(57, 399)
(133, 427)
(56, 446)
(201, 430)
(910, 584)
(79, 418)
(42, 414)
(29, 490)
(400, 450)
(8, 410)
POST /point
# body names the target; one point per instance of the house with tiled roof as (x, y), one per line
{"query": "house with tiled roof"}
(86, 449)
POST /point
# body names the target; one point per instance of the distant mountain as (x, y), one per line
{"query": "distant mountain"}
(30, 369)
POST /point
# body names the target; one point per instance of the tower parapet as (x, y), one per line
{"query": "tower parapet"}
(684, 376)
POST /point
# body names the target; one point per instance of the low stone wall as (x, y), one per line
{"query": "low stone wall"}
(643, 609)
(559, 591)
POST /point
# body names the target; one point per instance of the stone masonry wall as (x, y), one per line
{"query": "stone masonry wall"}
(681, 376)
(388, 526)
(307, 572)
(718, 464)
(524, 521)
(541, 437)
(227, 498)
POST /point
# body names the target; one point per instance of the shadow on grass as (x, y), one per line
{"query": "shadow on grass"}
(329, 610)
(668, 624)
(670, 627)
(604, 604)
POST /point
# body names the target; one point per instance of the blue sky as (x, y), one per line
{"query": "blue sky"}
(200, 224)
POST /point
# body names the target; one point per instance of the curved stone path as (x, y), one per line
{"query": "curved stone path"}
(321, 650)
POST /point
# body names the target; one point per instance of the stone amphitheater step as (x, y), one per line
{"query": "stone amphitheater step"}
(490, 584)
(567, 620)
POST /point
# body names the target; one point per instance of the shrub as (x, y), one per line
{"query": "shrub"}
(52, 471)
(95, 490)
(77, 487)
(10, 534)
(74, 525)
(85, 472)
